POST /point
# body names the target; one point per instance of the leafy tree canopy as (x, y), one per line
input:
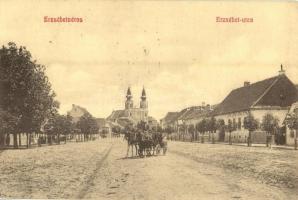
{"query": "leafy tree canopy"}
(27, 94)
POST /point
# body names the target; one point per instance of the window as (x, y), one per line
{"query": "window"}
(234, 124)
(239, 123)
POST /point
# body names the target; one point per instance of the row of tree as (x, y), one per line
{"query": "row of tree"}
(27, 101)
(26, 95)
(63, 125)
(269, 124)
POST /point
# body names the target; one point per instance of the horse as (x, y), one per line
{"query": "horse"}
(160, 143)
(149, 143)
(131, 137)
(144, 143)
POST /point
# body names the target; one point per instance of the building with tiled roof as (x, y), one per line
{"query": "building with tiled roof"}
(277, 91)
(186, 117)
(274, 95)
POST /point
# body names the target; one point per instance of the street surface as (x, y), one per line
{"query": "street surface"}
(99, 170)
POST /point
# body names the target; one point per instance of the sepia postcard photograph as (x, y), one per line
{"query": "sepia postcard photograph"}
(145, 100)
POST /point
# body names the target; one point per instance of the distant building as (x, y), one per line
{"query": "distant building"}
(131, 114)
(152, 122)
(76, 112)
(187, 116)
(273, 95)
(168, 120)
(276, 95)
(104, 127)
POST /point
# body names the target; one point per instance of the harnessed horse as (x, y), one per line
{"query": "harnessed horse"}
(131, 137)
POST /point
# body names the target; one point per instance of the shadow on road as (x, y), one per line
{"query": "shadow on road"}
(91, 178)
(128, 158)
(138, 157)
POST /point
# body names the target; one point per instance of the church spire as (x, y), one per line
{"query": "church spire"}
(129, 101)
(143, 97)
(143, 103)
(128, 93)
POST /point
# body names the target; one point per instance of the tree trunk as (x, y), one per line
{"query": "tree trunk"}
(2, 139)
(230, 138)
(249, 139)
(268, 139)
(15, 140)
(7, 140)
(295, 142)
(272, 140)
(27, 140)
(20, 139)
(213, 139)
(209, 136)
(50, 139)
(30, 139)
(58, 138)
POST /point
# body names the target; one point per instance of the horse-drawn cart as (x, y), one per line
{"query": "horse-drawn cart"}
(145, 143)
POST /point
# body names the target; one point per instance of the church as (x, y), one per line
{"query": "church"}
(131, 114)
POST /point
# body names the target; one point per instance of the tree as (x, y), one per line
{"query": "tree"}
(212, 126)
(230, 128)
(270, 125)
(58, 125)
(169, 130)
(221, 126)
(87, 125)
(8, 123)
(182, 131)
(191, 130)
(251, 124)
(28, 96)
(202, 128)
(292, 121)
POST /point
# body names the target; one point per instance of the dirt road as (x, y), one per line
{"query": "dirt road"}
(173, 176)
(99, 170)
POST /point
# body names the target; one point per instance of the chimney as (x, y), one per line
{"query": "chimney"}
(246, 83)
(281, 71)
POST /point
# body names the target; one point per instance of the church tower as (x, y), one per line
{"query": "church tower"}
(144, 106)
(143, 103)
(128, 102)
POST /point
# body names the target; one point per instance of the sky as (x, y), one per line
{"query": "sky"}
(175, 49)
